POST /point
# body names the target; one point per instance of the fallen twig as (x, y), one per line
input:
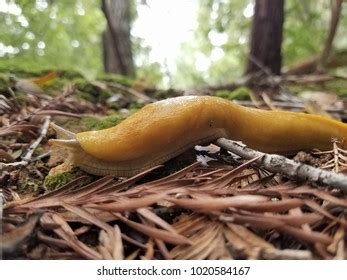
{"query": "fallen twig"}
(339, 160)
(131, 91)
(58, 113)
(273, 81)
(28, 155)
(244, 81)
(68, 90)
(10, 240)
(34, 145)
(285, 166)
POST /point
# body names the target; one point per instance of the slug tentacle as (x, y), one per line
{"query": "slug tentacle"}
(67, 144)
(164, 129)
(62, 133)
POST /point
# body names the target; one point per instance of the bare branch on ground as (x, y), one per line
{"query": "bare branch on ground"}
(285, 166)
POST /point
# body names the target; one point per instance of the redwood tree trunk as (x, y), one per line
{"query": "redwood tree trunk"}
(117, 53)
(266, 37)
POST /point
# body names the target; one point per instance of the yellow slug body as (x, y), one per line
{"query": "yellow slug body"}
(164, 129)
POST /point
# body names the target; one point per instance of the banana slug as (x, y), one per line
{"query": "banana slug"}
(164, 129)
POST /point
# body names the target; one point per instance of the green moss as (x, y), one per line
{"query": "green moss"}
(163, 94)
(241, 93)
(70, 74)
(135, 106)
(53, 182)
(337, 86)
(4, 84)
(119, 79)
(55, 86)
(86, 96)
(21, 72)
(93, 123)
(90, 92)
(297, 88)
(30, 71)
(39, 150)
(29, 185)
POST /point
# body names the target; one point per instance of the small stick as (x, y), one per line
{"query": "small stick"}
(285, 166)
(34, 145)
(131, 91)
(27, 157)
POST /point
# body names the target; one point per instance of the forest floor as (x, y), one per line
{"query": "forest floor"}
(228, 208)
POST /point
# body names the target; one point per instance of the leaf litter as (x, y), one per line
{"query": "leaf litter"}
(217, 211)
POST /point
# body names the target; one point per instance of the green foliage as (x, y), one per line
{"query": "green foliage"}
(53, 34)
(305, 27)
(146, 68)
(64, 34)
(221, 41)
(43, 34)
(219, 48)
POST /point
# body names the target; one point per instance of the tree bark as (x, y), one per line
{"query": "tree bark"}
(266, 37)
(117, 53)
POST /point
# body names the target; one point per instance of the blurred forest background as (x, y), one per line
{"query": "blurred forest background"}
(77, 35)
(89, 64)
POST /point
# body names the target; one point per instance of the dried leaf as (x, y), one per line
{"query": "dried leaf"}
(164, 235)
(10, 240)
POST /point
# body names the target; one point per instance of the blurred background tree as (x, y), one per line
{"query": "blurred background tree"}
(43, 34)
(116, 39)
(46, 34)
(266, 37)
(220, 47)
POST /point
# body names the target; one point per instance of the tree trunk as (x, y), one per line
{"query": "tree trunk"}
(266, 37)
(117, 53)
